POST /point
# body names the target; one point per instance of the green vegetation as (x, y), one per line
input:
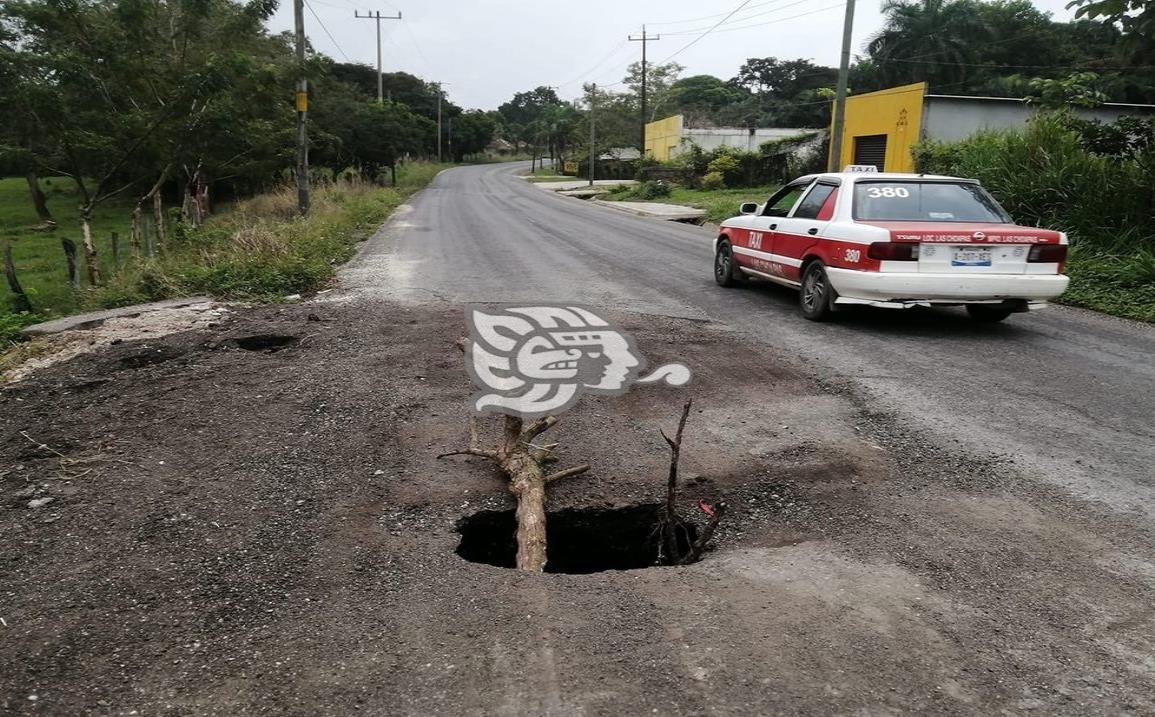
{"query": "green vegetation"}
(10, 325)
(262, 249)
(1088, 179)
(37, 253)
(135, 114)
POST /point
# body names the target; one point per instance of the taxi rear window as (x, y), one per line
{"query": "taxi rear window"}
(925, 202)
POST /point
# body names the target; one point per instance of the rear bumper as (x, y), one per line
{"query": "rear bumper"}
(904, 288)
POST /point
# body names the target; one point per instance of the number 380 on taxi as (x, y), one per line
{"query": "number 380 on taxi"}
(895, 241)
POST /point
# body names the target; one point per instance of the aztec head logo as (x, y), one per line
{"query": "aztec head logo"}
(532, 361)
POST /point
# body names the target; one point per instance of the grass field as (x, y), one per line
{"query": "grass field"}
(39, 258)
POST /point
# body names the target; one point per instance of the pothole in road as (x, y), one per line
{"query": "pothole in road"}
(264, 343)
(578, 540)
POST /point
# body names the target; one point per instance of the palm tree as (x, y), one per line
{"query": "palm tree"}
(932, 40)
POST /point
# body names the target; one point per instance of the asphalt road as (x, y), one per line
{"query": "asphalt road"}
(1067, 395)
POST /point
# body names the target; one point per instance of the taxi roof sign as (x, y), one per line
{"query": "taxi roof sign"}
(860, 168)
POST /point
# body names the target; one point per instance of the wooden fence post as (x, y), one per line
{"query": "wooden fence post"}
(20, 300)
(70, 256)
(115, 249)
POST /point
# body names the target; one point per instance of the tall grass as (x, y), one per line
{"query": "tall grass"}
(263, 250)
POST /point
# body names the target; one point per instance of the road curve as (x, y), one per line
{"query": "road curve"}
(1069, 395)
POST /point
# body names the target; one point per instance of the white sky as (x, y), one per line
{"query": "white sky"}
(486, 50)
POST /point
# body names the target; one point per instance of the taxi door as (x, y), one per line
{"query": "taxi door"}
(756, 251)
(795, 234)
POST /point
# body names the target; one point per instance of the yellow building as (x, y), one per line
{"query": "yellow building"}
(664, 137)
(881, 127)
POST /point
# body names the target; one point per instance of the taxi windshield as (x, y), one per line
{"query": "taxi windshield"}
(925, 201)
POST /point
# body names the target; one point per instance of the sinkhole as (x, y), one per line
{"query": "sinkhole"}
(264, 343)
(579, 541)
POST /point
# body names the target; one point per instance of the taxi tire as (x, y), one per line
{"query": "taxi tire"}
(988, 314)
(820, 310)
(731, 277)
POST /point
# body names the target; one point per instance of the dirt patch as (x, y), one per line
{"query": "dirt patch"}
(237, 532)
(45, 351)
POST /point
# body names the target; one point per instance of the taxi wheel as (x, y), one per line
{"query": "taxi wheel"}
(988, 313)
(816, 295)
(726, 272)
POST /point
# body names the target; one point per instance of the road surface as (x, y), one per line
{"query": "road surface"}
(1067, 394)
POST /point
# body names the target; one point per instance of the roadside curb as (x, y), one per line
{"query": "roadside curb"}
(94, 319)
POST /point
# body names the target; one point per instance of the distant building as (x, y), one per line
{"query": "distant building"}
(669, 137)
(620, 154)
(882, 127)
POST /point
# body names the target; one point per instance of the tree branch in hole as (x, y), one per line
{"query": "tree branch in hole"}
(523, 465)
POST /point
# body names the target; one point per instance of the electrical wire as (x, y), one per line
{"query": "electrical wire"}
(616, 49)
(744, 19)
(709, 17)
(695, 41)
(322, 24)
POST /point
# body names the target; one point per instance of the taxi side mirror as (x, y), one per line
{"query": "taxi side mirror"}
(747, 208)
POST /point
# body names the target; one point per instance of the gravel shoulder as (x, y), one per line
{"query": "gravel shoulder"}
(268, 531)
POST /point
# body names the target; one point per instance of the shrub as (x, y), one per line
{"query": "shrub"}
(713, 180)
(723, 165)
(11, 323)
(652, 190)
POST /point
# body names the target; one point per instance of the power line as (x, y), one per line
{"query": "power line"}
(616, 49)
(322, 24)
(693, 42)
(709, 17)
(742, 19)
(1080, 66)
(781, 19)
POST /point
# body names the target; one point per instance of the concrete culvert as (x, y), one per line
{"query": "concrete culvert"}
(578, 541)
(265, 343)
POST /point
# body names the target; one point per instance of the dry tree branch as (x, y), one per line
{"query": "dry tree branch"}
(522, 463)
(699, 545)
(568, 472)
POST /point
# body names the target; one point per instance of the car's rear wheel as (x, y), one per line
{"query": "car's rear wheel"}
(816, 295)
(988, 313)
(726, 271)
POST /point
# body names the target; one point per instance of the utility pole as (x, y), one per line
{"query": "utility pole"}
(450, 139)
(840, 94)
(593, 152)
(378, 17)
(644, 39)
(439, 94)
(301, 101)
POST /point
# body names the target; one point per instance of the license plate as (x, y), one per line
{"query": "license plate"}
(971, 256)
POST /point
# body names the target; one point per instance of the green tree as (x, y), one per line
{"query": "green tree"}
(938, 41)
(1136, 19)
(472, 132)
(660, 78)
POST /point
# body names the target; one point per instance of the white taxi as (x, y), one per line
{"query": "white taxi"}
(892, 240)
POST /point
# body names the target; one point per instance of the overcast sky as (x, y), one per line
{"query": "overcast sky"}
(486, 50)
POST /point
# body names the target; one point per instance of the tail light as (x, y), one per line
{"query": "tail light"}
(893, 251)
(1047, 254)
